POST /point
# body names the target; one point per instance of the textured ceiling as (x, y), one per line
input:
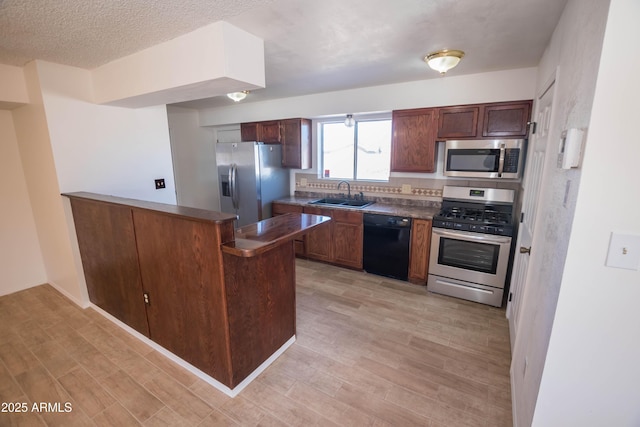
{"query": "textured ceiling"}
(310, 45)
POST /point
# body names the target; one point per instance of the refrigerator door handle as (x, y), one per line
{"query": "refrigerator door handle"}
(232, 183)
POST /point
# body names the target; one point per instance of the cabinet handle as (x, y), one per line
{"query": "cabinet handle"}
(146, 298)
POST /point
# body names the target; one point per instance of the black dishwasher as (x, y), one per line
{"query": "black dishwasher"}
(386, 245)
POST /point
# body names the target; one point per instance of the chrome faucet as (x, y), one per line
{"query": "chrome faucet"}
(348, 188)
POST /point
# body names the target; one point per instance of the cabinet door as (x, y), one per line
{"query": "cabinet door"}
(269, 132)
(249, 131)
(319, 240)
(458, 122)
(181, 270)
(107, 245)
(414, 140)
(296, 143)
(506, 119)
(419, 253)
(348, 237)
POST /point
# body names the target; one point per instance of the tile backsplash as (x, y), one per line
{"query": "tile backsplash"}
(419, 191)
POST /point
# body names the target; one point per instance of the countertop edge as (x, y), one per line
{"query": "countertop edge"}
(249, 240)
(177, 210)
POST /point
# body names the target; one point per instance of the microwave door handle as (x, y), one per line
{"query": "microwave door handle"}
(501, 160)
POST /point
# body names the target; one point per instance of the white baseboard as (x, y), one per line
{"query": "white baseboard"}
(73, 299)
(189, 367)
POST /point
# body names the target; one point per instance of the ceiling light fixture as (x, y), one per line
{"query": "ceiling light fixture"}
(349, 121)
(238, 96)
(444, 60)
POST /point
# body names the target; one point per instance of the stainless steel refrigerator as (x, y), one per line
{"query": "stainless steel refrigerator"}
(251, 177)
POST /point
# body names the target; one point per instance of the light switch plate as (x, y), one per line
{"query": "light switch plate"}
(406, 189)
(624, 251)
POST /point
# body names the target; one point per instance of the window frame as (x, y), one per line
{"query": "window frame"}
(341, 119)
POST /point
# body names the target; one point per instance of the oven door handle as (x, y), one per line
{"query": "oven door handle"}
(503, 151)
(464, 235)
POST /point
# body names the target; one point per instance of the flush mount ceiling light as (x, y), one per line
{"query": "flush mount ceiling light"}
(238, 96)
(444, 60)
(349, 121)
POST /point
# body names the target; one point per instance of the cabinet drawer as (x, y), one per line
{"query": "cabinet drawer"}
(347, 216)
(283, 208)
(318, 211)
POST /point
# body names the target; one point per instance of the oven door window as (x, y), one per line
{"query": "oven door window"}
(473, 160)
(482, 257)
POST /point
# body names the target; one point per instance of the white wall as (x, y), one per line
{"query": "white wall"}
(592, 373)
(13, 90)
(21, 261)
(34, 144)
(211, 61)
(69, 144)
(103, 149)
(510, 85)
(574, 53)
(194, 161)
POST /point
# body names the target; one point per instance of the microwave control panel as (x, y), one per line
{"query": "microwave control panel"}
(511, 157)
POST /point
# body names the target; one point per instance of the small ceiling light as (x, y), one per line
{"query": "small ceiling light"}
(238, 96)
(349, 121)
(444, 60)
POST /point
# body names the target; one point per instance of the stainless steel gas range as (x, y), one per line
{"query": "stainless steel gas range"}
(471, 244)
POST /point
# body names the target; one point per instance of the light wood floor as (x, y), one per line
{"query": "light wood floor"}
(370, 351)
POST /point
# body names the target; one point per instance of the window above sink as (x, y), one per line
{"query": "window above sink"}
(359, 152)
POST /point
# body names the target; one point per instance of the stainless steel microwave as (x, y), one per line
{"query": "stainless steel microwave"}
(497, 158)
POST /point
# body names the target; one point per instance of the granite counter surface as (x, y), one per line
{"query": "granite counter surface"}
(420, 212)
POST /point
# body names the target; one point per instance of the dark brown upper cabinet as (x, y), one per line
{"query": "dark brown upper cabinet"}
(413, 143)
(458, 122)
(484, 121)
(267, 132)
(506, 120)
(293, 134)
(296, 143)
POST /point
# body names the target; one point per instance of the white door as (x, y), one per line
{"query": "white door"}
(531, 192)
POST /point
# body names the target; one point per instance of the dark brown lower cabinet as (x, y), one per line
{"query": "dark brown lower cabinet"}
(348, 232)
(419, 254)
(109, 256)
(180, 271)
(161, 270)
(319, 241)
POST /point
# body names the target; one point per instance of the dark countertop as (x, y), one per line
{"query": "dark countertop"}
(254, 239)
(182, 211)
(376, 208)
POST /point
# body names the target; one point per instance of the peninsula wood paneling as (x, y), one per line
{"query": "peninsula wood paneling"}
(108, 251)
(260, 294)
(181, 269)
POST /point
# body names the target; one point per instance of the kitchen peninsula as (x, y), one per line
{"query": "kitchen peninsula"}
(221, 299)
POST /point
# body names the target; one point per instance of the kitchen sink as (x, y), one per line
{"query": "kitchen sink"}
(345, 203)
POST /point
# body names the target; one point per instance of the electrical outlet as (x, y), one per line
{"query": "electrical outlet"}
(303, 182)
(160, 183)
(406, 189)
